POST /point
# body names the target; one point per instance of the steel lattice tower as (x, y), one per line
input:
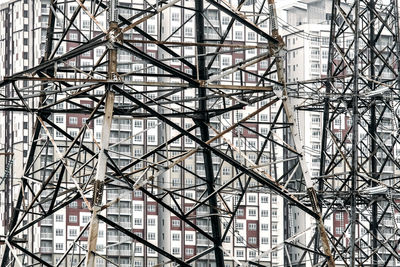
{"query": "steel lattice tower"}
(358, 180)
(354, 182)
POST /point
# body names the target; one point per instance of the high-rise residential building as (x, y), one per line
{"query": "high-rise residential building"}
(306, 31)
(258, 226)
(263, 220)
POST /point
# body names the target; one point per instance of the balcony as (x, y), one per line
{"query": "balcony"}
(45, 11)
(125, 252)
(113, 252)
(126, 225)
(112, 195)
(125, 210)
(203, 242)
(116, 210)
(113, 238)
(113, 211)
(46, 250)
(47, 222)
(46, 235)
(123, 127)
(118, 140)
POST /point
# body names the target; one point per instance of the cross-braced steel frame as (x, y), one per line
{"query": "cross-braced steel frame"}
(354, 181)
(358, 181)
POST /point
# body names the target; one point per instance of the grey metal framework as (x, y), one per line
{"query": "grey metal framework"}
(361, 88)
(355, 89)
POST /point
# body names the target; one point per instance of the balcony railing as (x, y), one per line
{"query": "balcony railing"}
(112, 238)
(125, 224)
(46, 235)
(125, 252)
(46, 222)
(46, 249)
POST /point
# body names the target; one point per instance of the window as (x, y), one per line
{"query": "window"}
(252, 227)
(226, 61)
(73, 232)
(315, 146)
(176, 237)
(264, 240)
(59, 246)
(151, 138)
(176, 223)
(151, 236)
(138, 221)
(85, 24)
(226, 171)
(337, 122)
(239, 226)
(240, 212)
(176, 251)
(151, 29)
(175, 16)
(264, 227)
(315, 119)
(59, 119)
(339, 230)
(188, 31)
(59, 232)
(264, 213)
(151, 222)
(239, 253)
(73, 218)
(252, 199)
(138, 249)
(339, 216)
(59, 218)
(138, 207)
(251, 36)
(151, 208)
(252, 212)
(315, 133)
(138, 138)
(252, 240)
(264, 199)
(85, 219)
(274, 213)
(238, 35)
(189, 251)
(73, 120)
(189, 237)
(73, 36)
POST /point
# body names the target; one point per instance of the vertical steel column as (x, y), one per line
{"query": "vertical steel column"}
(98, 186)
(203, 75)
(325, 118)
(372, 131)
(291, 118)
(354, 141)
(163, 135)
